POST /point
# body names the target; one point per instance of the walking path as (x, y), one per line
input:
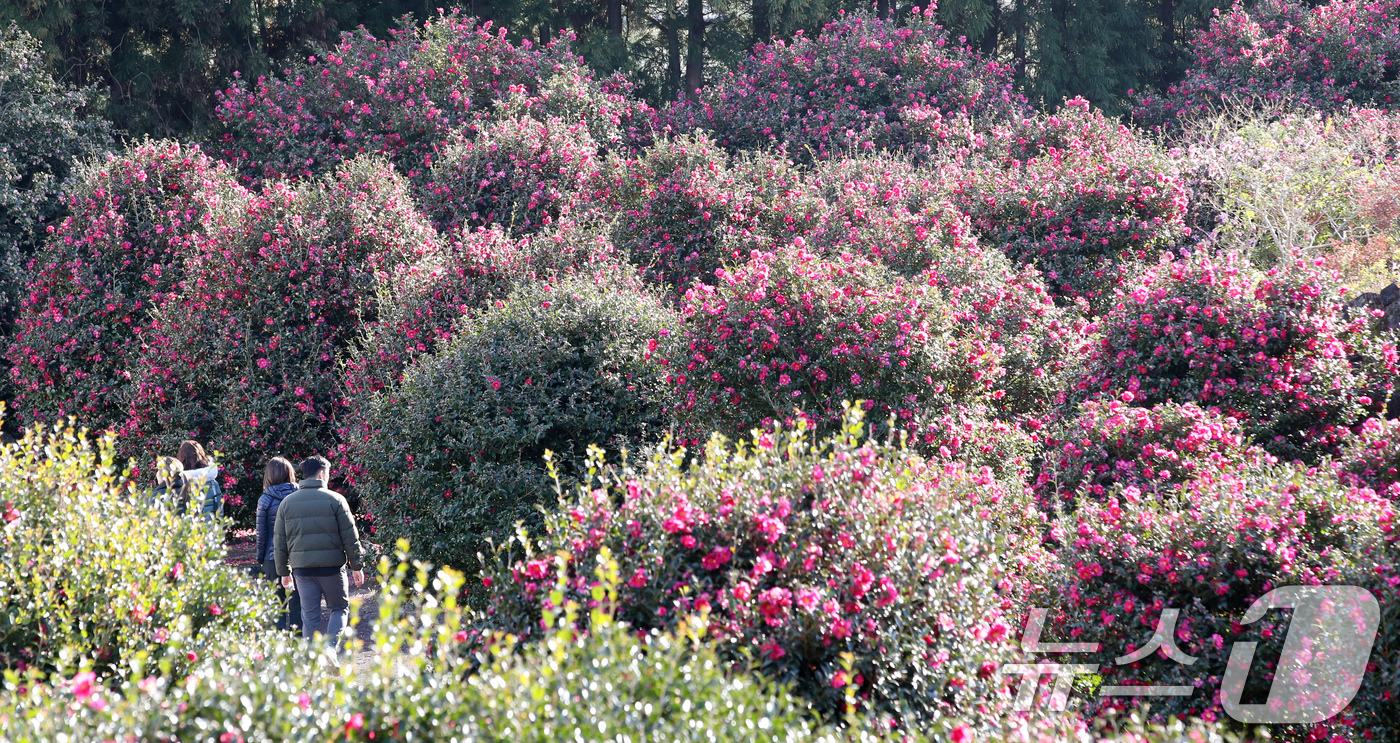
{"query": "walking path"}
(240, 555)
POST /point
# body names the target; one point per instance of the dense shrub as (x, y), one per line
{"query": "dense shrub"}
(1271, 349)
(45, 135)
(1372, 458)
(847, 89)
(247, 355)
(1280, 51)
(88, 308)
(1078, 195)
(1295, 187)
(802, 552)
(519, 173)
(889, 211)
(1226, 541)
(455, 454)
(421, 685)
(791, 331)
(686, 210)
(405, 97)
(1152, 449)
(91, 570)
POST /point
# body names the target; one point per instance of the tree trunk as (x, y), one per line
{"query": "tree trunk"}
(1020, 52)
(615, 18)
(695, 48)
(992, 37)
(671, 87)
(1166, 15)
(762, 22)
(882, 9)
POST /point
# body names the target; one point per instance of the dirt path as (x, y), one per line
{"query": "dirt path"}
(242, 547)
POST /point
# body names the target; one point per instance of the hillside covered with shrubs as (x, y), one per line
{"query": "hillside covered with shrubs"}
(776, 411)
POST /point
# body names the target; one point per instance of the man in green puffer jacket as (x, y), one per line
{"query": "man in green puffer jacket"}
(313, 541)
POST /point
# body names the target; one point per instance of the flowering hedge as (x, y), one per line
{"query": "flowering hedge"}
(518, 173)
(454, 455)
(402, 98)
(686, 210)
(91, 571)
(1271, 349)
(791, 331)
(1152, 449)
(847, 89)
(88, 309)
(1281, 51)
(1078, 195)
(249, 355)
(1225, 542)
(803, 552)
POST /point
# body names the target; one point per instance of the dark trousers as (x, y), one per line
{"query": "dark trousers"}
(289, 607)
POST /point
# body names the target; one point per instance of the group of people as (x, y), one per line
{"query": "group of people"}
(306, 536)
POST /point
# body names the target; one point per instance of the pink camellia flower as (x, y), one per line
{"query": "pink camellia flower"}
(808, 599)
(304, 701)
(743, 591)
(638, 579)
(356, 722)
(161, 634)
(839, 680)
(841, 629)
(84, 684)
(717, 557)
(773, 605)
(770, 527)
(962, 734)
(215, 609)
(536, 569)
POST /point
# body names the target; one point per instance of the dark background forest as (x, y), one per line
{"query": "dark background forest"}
(160, 62)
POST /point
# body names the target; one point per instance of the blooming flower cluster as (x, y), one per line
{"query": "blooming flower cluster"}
(404, 97)
(1152, 449)
(1282, 51)
(847, 89)
(1272, 349)
(1081, 197)
(1226, 541)
(800, 553)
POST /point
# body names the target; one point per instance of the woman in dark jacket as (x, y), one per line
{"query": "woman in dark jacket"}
(279, 481)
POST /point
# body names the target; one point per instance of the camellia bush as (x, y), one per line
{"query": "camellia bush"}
(92, 571)
(1372, 458)
(455, 454)
(88, 309)
(847, 89)
(1152, 449)
(1224, 542)
(402, 98)
(686, 210)
(247, 356)
(1272, 349)
(837, 564)
(518, 173)
(1294, 53)
(791, 331)
(1081, 197)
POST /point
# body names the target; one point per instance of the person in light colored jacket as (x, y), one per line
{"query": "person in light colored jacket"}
(201, 477)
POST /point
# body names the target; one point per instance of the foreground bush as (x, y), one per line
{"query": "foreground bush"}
(89, 569)
(1271, 349)
(847, 89)
(802, 553)
(417, 687)
(455, 454)
(1224, 542)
